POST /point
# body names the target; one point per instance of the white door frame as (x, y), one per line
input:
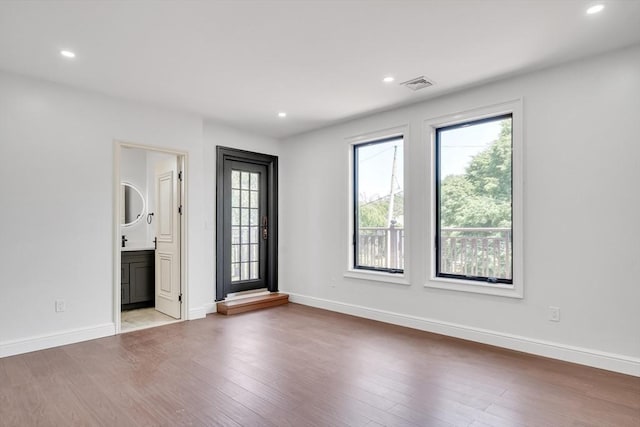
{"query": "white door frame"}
(184, 283)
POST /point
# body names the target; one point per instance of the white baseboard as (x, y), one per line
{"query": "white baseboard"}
(211, 307)
(201, 312)
(583, 356)
(70, 336)
(197, 313)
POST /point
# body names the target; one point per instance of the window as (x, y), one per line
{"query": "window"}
(474, 200)
(378, 197)
(245, 222)
(477, 200)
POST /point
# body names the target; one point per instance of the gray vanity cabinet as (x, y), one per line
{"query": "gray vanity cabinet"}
(137, 279)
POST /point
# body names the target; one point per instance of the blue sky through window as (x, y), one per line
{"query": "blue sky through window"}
(458, 146)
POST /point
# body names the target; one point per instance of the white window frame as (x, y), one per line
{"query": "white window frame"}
(372, 275)
(516, 289)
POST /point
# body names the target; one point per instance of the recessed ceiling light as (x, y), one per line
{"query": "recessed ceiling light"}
(282, 114)
(388, 79)
(67, 54)
(595, 9)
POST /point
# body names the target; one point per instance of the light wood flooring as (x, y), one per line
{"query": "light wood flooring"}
(299, 366)
(142, 318)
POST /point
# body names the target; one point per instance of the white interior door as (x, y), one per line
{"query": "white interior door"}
(168, 290)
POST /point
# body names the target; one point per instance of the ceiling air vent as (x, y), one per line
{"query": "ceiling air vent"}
(417, 83)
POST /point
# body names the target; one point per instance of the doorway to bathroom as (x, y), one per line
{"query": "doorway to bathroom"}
(149, 243)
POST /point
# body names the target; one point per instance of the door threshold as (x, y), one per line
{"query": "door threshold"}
(140, 328)
(242, 305)
(144, 318)
(247, 294)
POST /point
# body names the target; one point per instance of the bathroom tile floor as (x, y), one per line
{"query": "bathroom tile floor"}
(142, 318)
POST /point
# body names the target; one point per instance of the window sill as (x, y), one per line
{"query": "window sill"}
(509, 291)
(377, 276)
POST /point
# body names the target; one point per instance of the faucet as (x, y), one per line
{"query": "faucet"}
(124, 240)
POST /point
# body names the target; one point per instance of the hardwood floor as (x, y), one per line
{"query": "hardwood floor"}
(298, 366)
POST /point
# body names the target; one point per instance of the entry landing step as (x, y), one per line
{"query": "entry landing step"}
(242, 305)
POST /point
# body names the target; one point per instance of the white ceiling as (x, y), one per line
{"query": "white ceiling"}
(241, 62)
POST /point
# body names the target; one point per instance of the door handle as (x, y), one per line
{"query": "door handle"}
(265, 229)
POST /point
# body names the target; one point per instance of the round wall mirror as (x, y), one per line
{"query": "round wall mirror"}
(132, 206)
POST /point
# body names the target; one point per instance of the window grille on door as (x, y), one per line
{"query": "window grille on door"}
(245, 225)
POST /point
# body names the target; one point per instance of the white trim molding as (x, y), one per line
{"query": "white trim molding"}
(377, 276)
(210, 307)
(197, 313)
(70, 336)
(404, 131)
(201, 312)
(514, 107)
(583, 356)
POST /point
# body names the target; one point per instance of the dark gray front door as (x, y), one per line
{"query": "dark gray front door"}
(246, 223)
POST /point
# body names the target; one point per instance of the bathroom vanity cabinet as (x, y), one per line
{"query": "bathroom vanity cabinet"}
(137, 279)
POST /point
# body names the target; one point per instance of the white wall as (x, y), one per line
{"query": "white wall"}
(216, 134)
(56, 221)
(581, 218)
(57, 145)
(581, 205)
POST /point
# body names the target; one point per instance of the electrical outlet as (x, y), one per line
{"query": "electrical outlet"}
(60, 306)
(554, 314)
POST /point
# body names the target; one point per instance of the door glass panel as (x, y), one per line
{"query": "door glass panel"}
(235, 272)
(235, 216)
(235, 198)
(245, 221)
(254, 235)
(235, 179)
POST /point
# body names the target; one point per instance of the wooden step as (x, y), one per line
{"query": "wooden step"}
(242, 305)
